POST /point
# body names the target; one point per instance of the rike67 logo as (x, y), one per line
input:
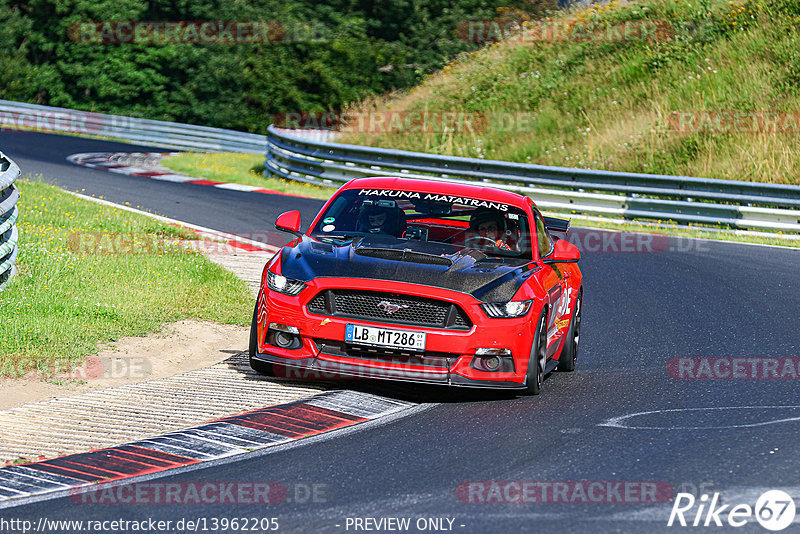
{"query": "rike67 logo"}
(774, 510)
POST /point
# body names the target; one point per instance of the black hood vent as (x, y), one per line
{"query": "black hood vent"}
(403, 255)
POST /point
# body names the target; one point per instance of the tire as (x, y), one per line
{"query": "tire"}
(538, 360)
(569, 354)
(263, 368)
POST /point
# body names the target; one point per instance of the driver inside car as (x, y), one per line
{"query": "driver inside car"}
(486, 230)
(388, 220)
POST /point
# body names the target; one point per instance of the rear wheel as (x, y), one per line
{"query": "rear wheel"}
(264, 368)
(569, 354)
(538, 359)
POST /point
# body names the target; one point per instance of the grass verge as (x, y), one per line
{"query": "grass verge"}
(240, 169)
(625, 104)
(90, 274)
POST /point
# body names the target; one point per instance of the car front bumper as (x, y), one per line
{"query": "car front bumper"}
(449, 354)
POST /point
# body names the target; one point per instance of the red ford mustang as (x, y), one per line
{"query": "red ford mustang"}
(421, 281)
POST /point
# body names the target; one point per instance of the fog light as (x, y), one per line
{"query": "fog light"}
(283, 336)
(491, 359)
(492, 363)
(283, 339)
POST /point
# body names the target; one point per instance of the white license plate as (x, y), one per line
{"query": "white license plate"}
(385, 337)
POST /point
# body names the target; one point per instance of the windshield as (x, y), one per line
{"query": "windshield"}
(494, 228)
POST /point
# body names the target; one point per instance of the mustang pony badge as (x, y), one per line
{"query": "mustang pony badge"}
(391, 308)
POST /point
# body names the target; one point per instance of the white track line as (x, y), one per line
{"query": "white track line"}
(202, 230)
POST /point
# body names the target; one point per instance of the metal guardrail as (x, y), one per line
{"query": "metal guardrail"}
(307, 156)
(146, 131)
(686, 200)
(24, 116)
(9, 233)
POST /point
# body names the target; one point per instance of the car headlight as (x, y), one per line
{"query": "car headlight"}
(284, 285)
(507, 310)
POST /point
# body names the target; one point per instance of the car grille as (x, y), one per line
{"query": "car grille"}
(437, 360)
(413, 310)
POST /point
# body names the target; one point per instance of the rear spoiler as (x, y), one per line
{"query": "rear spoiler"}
(555, 224)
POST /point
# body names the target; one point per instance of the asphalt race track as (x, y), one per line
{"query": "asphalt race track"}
(224, 210)
(734, 436)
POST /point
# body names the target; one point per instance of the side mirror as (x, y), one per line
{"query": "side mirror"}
(564, 252)
(289, 222)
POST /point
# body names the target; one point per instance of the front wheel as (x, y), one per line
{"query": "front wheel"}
(538, 359)
(264, 368)
(569, 354)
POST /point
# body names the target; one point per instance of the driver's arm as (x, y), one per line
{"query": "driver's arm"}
(502, 245)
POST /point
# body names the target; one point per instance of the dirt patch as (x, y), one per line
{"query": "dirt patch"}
(179, 347)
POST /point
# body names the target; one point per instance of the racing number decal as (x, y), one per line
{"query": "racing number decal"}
(555, 294)
(556, 304)
(563, 310)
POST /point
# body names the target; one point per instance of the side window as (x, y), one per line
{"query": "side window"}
(520, 235)
(545, 244)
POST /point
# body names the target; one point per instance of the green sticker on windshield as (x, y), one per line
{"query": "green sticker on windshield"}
(328, 220)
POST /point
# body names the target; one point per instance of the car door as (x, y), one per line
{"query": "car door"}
(553, 279)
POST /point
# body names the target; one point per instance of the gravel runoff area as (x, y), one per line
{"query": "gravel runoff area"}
(111, 416)
(106, 417)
